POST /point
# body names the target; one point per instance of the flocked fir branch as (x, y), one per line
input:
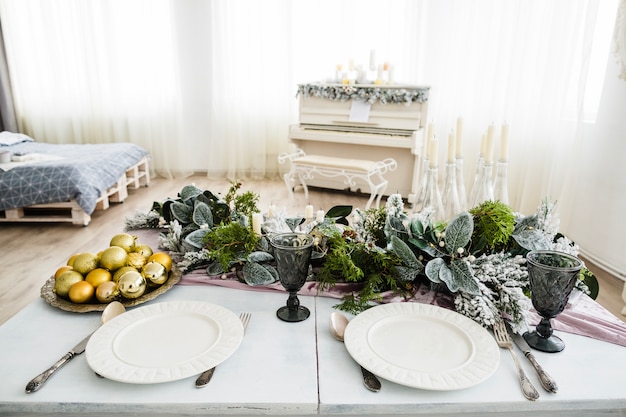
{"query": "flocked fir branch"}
(150, 220)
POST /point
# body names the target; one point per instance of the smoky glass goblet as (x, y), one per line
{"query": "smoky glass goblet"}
(292, 252)
(552, 276)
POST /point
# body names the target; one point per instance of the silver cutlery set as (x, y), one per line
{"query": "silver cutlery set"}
(502, 335)
(503, 339)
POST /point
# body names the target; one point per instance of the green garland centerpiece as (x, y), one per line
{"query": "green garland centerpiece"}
(477, 258)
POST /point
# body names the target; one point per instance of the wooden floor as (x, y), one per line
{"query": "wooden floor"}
(31, 252)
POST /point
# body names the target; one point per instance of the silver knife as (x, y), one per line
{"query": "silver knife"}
(546, 380)
(38, 381)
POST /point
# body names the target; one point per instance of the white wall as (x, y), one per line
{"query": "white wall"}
(599, 221)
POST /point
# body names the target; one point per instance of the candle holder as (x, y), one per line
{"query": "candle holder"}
(500, 188)
(450, 197)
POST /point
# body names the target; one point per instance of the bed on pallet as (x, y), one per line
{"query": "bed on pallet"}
(44, 182)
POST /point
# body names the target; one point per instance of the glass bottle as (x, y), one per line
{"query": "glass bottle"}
(480, 164)
(500, 188)
(421, 192)
(432, 197)
(450, 197)
(484, 191)
(460, 184)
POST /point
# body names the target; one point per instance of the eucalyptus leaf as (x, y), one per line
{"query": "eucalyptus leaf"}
(432, 269)
(395, 227)
(181, 212)
(215, 269)
(273, 272)
(197, 238)
(417, 228)
(264, 244)
(459, 232)
(189, 193)
(202, 214)
(447, 277)
(405, 253)
(423, 245)
(337, 212)
(188, 228)
(255, 274)
(405, 273)
(260, 256)
(463, 278)
(532, 239)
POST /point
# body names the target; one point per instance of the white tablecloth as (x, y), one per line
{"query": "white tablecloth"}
(286, 369)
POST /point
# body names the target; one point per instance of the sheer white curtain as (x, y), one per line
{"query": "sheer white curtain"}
(210, 85)
(523, 63)
(96, 71)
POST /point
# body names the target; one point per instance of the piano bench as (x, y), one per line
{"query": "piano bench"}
(304, 167)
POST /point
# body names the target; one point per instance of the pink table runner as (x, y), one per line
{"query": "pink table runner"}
(585, 317)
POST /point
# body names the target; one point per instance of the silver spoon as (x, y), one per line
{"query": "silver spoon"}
(113, 309)
(338, 324)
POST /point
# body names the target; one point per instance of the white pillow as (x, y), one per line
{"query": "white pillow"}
(10, 138)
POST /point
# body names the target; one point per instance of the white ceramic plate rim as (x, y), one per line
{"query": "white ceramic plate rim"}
(102, 358)
(483, 362)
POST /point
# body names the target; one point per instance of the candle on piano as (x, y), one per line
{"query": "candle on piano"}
(319, 216)
(308, 212)
(504, 143)
(459, 137)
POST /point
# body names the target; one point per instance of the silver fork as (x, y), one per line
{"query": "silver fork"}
(503, 340)
(206, 376)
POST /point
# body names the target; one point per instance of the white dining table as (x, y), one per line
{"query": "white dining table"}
(286, 369)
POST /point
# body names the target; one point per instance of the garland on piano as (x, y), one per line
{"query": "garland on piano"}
(366, 93)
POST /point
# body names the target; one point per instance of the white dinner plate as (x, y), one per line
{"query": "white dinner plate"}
(164, 342)
(422, 346)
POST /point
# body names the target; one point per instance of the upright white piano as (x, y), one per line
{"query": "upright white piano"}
(370, 122)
